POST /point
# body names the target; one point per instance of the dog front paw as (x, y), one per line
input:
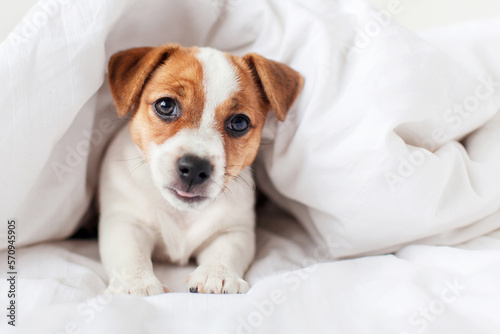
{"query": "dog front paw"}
(215, 279)
(138, 286)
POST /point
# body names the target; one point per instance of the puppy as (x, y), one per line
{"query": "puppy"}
(174, 183)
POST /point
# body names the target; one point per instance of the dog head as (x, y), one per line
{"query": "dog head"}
(197, 113)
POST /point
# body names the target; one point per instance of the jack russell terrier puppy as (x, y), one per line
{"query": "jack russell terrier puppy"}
(173, 184)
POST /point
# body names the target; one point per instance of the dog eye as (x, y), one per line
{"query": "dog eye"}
(237, 125)
(167, 109)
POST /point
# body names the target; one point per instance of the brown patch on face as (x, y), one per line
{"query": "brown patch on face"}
(129, 71)
(265, 85)
(180, 78)
(241, 151)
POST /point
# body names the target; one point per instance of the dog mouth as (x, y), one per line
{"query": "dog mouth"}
(187, 197)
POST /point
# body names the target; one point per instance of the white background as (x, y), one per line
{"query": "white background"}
(418, 14)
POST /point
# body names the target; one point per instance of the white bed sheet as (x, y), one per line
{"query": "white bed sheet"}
(420, 289)
(369, 173)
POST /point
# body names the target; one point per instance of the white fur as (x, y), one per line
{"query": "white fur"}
(140, 218)
(219, 80)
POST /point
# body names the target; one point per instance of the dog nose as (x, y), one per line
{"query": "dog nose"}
(193, 170)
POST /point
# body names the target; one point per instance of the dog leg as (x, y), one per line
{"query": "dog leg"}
(222, 264)
(126, 249)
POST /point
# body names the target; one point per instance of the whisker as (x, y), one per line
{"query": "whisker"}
(138, 157)
(246, 182)
(138, 166)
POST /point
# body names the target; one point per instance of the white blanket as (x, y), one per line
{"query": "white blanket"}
(420, 289)
(367, 161)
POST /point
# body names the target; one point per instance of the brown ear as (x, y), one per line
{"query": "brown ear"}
(129, 70)
(280, 84)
